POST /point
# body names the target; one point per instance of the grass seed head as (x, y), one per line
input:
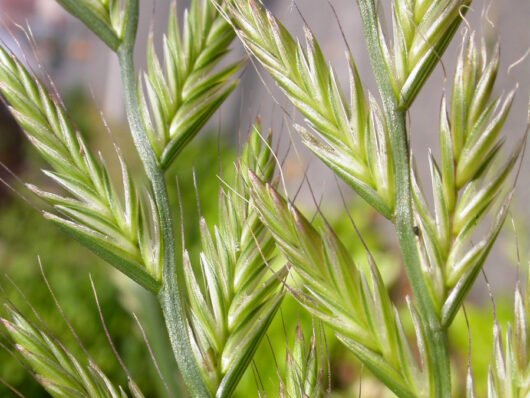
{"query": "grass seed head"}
(237, 289)
(352, 139)
(181, 92)
(57, 369)
(91, 208)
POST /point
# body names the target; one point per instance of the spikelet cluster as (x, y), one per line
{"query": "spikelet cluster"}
(55, 368)
(353, 302)
(123, 231)
(236, 293)
(303, 376)
(107, 18)
(352, 135)
(470, 182)
(422, 30)
(509, 374)
(183, 91)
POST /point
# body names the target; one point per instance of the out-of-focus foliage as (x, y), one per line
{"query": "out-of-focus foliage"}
(25, 235)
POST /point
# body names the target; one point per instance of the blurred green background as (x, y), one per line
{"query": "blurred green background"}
(25, 236)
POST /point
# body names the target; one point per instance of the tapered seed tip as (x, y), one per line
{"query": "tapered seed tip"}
(518, 299)
(299, 331)
(44, 381)
(308, 35)
(496, 331)
(186, 256)
(255, 7)
(313, 341)
(272, 21)
(289, 358)
(298, 218)
(8, 325)
(21, 349)
(50, 216)
(254, 179)
(269, 135)
(300, 128)
(32, 188)
(279, 202)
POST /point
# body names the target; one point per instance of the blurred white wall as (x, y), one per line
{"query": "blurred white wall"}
(88, 62)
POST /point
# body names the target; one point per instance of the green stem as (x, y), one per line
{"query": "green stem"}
(171, 295)
(436, 335)
(93, 21)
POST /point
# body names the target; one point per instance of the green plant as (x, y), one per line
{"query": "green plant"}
(303, 375)
(25, 235)
(218, 306)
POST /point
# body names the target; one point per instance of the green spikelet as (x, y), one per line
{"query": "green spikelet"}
(303, 376)
(107, 18)
(469, 183)
(354, 303)
(422, 30)
(352, 135)
(124, 231)
(184, 91)
(56, 369)
(236, 294)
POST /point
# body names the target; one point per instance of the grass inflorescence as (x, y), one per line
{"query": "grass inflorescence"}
(218, 305)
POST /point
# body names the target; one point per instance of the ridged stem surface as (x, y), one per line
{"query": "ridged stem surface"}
(436, 336)
(171, 295)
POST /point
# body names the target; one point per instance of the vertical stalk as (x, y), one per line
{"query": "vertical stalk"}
(436, 335)
(171, 295)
